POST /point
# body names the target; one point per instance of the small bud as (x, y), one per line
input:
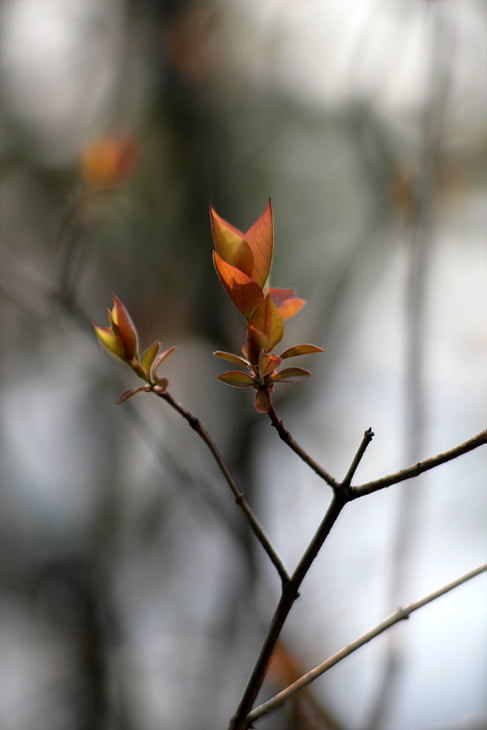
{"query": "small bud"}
(124, 327)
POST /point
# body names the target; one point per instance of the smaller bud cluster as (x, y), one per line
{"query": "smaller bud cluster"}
(121, 340)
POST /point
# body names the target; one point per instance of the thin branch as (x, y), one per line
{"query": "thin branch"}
(289, 594)
(288, 439)
(400, 614)
(419, 468)
(366, 439)
(255, 525)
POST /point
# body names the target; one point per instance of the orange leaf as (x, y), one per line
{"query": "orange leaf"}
(279, 296)
(243, 292)
(230, 244)
(256, 341)
(290, 307)
(260, 239)
(268, 320)
(268, 363)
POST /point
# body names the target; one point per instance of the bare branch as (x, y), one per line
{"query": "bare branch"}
(420, 467)
(255, 525)
(401, 614)
(288, 439)
(366, 439)
(289, 595)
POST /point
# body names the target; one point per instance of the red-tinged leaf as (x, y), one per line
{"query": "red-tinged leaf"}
(149, 355)
(124, 327)
(237, 379)
(290, 375)
(158, 360)
(260, 238)
(300, 350)
(256, 341)
(268, 320)
(262, 401)
(244, 293)
(110, 341)
(290, 307)
(123, 397)
(279, 296)
(230, 244)
(230, 357)
(268, 363)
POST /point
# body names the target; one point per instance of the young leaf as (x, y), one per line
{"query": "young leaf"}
(148, 356)
(262, 401)
(230, 243)
(268, 320)
(290, 307)
(291, 375)
(244, 293)
(110, 341)
(230, 357)
(160, 358)
(124, 327)
(260, 238)
(123, 397)
(300, 350)
(237, 379)
(268, 363)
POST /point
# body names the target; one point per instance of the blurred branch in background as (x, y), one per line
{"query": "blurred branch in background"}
(416, 392)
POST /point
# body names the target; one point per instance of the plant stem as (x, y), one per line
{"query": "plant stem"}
(290, 593)
(255, 525)
(419, 468)
(401, 614)
(288, 439)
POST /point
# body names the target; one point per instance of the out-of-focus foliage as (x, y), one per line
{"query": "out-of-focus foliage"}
(131, 593)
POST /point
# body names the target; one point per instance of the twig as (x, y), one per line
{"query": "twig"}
(400, 614)
(366, 439)
(255, 525)
(419, 468)
(288, 439)
(343, 493)
(289, 594)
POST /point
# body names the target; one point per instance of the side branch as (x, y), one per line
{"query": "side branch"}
(288, 439)
(255, 525)
(420, 467)
(401, 614)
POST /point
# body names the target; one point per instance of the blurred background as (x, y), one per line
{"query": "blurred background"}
(132, 596)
